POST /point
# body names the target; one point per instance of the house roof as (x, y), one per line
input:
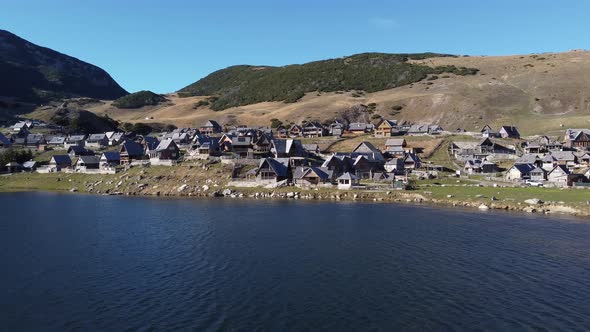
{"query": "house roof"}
(347, 176)
(111, 156)
(97, 137)
(303, 171)
(4, 140)
(29, 164)
(132, 148)
(165, 144)
(212, 123)
(279, 165)
(511, 131)
(78, 150)
(528, 158)
(359, 126)
(151, 142)
(75, 138)
(61, 159)
(57, 140)
(241, 141)
(523, 168)
(563, 155)
(395, 142)
(311, 147)
(88, 160)
(561, 169)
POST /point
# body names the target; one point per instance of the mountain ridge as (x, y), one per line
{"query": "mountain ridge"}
(33, 73)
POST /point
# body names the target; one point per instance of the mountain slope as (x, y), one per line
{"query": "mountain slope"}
(540, 93)
(32, 73)
(370, 72)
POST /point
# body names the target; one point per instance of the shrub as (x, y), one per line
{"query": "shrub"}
(275, 123)
(138, 99)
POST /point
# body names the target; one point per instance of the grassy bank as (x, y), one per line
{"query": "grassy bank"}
(207, 181)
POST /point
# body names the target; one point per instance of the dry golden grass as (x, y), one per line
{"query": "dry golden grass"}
(537, 93)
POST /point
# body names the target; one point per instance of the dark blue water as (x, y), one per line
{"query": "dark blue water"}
(76, 262)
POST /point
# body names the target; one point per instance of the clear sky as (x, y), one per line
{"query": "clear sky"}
(164, 45)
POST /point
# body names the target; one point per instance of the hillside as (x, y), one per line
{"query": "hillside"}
(369, 72)
(539, 93)
(139, 99)
(32, 73)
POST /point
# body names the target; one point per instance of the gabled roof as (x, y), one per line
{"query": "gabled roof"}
(29, 164)
(347, 176)
(366, 147)
(395, 142)
(111, 156)
(151, 142)
(560, 169)
(79, 150)
(57, 140)
(523, 168)
(212, 124)
(320, 172)
(511, 131)
(132, 148)
(563, 155)
(528, 159)
(165, 144)
(97, 137)
(88, 160)
(280, 166)
(388, 123)
(4, 140)
(75, 138)
(61, 159)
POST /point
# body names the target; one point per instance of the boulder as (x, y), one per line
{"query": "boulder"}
(533, 201)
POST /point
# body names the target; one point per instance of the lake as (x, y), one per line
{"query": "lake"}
(81, 262)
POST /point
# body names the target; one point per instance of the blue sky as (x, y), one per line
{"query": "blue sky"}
(164, 45)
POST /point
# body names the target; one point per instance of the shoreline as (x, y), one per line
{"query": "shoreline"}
(418, 197)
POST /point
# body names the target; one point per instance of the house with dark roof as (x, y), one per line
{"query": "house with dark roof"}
(519, 172)
(274, 170)
(205, 146)
(5, 143)
(487, 132)
(76, 151)
(109, 159)
(287, 148)
(60, 162)
(130, 151)
(85, 163)
(509, 132)
(360, 127)
(166, 150)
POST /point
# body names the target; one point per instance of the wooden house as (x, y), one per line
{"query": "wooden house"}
(577, 138)
(385, 128)
(313, 129)
(274, 170)
(306, 176)
(166, 150)
(210, 127)
(295, 131)
(130, 151)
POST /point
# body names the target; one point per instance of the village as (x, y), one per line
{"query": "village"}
(357, 156)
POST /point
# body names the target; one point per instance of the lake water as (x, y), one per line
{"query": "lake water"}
(78, 262)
